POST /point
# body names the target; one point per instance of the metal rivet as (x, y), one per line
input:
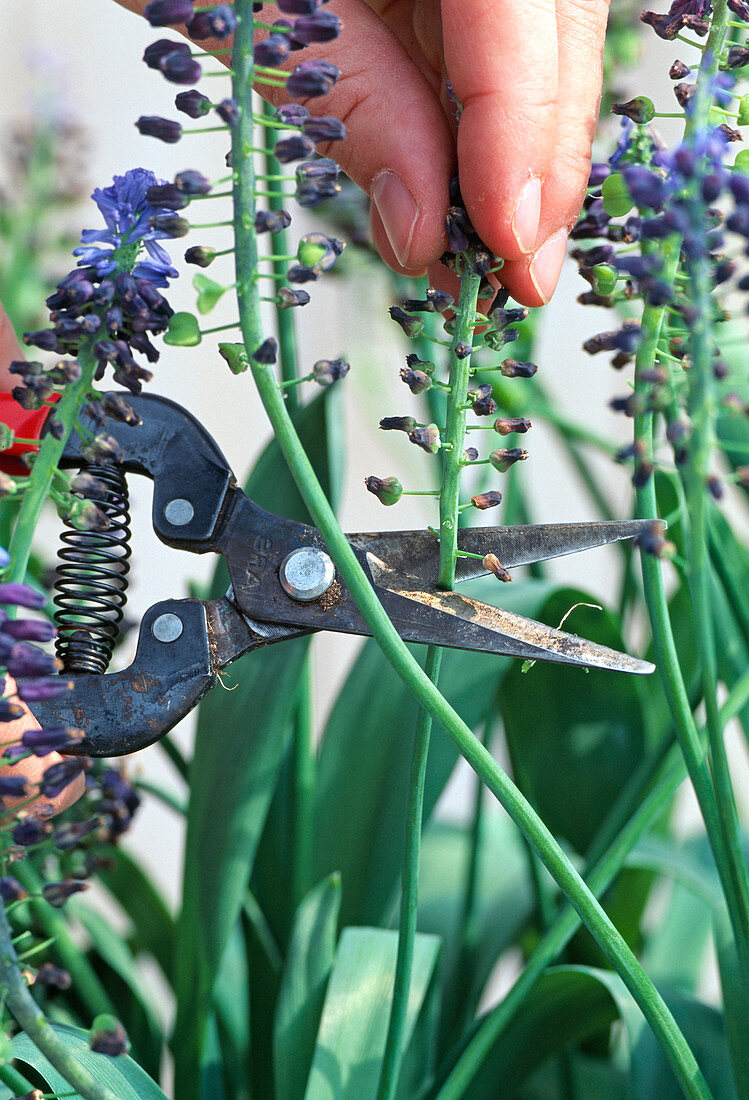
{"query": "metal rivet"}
(178, 512)
(306, 573)
(167, 628)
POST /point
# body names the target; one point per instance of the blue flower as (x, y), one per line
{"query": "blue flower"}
(127, 214)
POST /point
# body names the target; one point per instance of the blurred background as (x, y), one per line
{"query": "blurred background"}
(75, 71)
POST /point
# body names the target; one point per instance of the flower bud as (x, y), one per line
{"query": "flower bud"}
(171, 224)
(29, 630)
(652, 541)
(416, 380)
(43, 688)
(57, 777)
(293, 148)
(482, 501)
(427, 438)
(108, 1036)
(292, 114)
(14, 592)
(273, 50)
(312, 78)
(272, 221)
(412, 326)
(323, 128)
(470, 454)
(320, 26)
(193, 103)
(11, 889)
(513, 368)
(298, 273)
(639, 110)
(168, 13)
(492, 563)
(54, 976)
(218, 22)
(397, 423)
(387, 490)
(179, 67)
(328, 371)
(164, 129)
(505, 425)
(51, 739)
(13, 786)
(318, 252)
(287, 298)
(267, 353)
(30, 830)
(462, 350)
(71, 833)
(738, 57)
(484, 404)
(502, 459)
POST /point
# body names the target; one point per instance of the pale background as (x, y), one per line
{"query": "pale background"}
(83, 60)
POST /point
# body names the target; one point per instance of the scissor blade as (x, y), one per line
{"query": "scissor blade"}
(451, 619)
(416, 553)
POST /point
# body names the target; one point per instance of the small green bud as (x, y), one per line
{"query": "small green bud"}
(317, 251)
(209, 292)
(236, 356)
(183, 331)
(387, 490)
(604, 278)
(200, 255)
(617, 200)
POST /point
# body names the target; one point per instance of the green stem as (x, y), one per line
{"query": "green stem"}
(45, 467)
(600, 874)
(304, 787)
(285, 324)
(30, 1018)
(459, 374)
(14, 1080)
(397, 653)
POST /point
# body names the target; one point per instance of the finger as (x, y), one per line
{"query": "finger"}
(501, 57)
(398, 149)
(10, 349)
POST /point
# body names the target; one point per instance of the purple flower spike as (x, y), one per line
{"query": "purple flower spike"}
(12, 592)
(168, 13)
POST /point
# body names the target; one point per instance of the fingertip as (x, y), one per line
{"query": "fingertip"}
(533, 280)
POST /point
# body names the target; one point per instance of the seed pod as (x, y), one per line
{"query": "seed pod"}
(640, 110)
(505, 425)
(502, 459)
(387, 490)
(513, 368)
(494, 565)
(483, 403)
(427, 438)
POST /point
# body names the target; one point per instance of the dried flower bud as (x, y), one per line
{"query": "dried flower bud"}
(272, 221)
(71, 833)
(715, 487)
(492, 563)
(484, 404)
(502, 459)
(108, 1036)
(11, 889)
(427, 438)
(684, 93)
(470, 454)
(639, 110)
(228, 111)
(513, 368)
(679, 70)
(415, 363)
(505, 425)
(642, 474)
(652, 541)
(397, 423)
(58, 776)
(328, 371)
(387, 490)
(497, 340)
(286, 298)
(416, 380)
(293, 148)
(85, 516)
(57, 893)
(738, 57)
(29, 830)
(267, 352)
(462, 350)
(412, 326)
(483, 501)
(54, 976)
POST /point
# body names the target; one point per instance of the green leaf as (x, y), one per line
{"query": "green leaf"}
(502, 906)
(153, 924)
(300, 999)
(365, 756)
(735, 1003)
(209, 292)
(575, 735)
(354, 1022)
(231, 998)
(183, 331)
(137, 1014)
(241, 739)
(617, 200)
(122, 1075)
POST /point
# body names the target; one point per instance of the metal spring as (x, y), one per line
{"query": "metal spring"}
(91, 580)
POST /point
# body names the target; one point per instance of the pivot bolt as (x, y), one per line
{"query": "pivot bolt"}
(306, 573)
(178, 512)
(167, 628)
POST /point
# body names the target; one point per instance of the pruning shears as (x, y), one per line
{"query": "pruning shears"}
(284, 584)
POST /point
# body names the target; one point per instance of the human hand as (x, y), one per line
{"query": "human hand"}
(32, 768)
(528, 76)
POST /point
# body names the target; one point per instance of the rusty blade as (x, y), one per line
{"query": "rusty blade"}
(416, 553)
(451, 619)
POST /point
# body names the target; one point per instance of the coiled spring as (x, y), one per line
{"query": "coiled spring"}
(91, 582)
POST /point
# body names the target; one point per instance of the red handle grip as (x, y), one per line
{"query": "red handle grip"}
(24, 423)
